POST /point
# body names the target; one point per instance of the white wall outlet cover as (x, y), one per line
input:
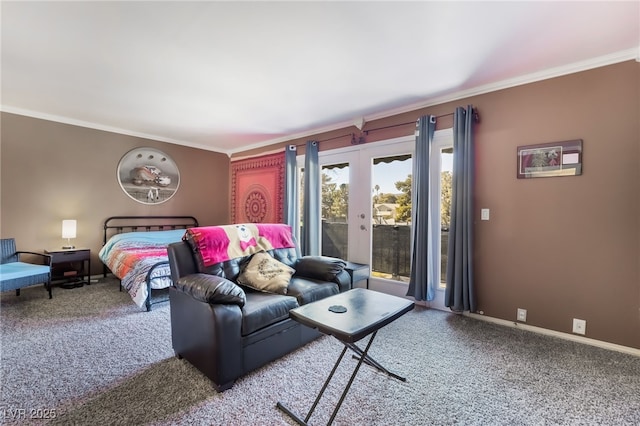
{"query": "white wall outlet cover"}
(522, 315)
(579, 326)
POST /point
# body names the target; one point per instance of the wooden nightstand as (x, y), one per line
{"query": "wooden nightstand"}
(70, 266)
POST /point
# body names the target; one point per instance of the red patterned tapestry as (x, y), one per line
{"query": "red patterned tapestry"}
(257, 189)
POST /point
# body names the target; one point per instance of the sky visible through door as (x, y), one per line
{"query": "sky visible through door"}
(387, 174)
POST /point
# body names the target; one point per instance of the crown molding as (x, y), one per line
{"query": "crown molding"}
(66, 120)
(549, 73)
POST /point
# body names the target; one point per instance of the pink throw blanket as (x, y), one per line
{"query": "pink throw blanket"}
(220, 243)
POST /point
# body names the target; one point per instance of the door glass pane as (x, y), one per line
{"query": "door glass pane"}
(391, 217)
(335, 208)
(301, 201)
(446, 172)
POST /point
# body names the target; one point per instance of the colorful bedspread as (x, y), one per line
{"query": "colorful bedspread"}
(131, 255)
(214, 244)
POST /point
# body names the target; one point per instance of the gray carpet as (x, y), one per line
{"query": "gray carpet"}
(92, 357)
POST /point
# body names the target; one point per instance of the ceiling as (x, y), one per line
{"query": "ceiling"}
(229, 76)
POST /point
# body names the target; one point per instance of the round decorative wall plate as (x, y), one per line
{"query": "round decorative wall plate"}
(148, 176)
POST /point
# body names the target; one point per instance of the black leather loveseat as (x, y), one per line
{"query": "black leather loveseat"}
(227, 330)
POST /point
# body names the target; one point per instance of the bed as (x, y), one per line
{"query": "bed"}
(134, 249)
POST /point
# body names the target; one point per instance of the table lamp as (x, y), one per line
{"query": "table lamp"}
(68, 232)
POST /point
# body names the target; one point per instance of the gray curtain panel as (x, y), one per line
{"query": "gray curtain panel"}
(311, 211)
(290, 188)
(423, 271)
(459, 294)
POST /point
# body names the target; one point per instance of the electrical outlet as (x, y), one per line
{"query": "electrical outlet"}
(579, 326)
(522, 315)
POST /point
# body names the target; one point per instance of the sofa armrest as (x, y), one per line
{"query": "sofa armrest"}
(211, 289)
(181, 260)
(207, 335)
(323, 268)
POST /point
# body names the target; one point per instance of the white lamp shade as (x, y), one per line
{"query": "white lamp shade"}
(69, 228)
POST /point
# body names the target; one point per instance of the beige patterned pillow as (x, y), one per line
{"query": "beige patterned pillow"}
(264, 273)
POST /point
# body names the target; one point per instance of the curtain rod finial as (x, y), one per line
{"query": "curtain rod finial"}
(476, 115)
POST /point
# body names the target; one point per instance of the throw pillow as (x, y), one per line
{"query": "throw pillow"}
(264, 273)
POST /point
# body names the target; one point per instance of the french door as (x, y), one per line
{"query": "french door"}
(366, 207)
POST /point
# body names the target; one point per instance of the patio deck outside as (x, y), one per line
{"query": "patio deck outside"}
(391, 256)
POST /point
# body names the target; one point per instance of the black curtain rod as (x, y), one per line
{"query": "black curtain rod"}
(323, 140)
(476, 117)
(475, 114)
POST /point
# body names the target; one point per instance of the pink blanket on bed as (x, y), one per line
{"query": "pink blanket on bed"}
(219, 243)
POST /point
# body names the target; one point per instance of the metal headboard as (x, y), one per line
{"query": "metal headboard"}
(119, 224)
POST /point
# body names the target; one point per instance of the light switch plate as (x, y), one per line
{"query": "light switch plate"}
(484, 214)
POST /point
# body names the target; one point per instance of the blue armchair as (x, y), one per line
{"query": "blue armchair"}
(15, 274)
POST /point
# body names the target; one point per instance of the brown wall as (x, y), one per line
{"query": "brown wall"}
(562, 248)
(53, 171)
(565, 247)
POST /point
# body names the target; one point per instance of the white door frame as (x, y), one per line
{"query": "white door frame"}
(360, 159)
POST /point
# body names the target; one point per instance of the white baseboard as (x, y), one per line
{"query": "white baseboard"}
(566, 336)
(400, 289)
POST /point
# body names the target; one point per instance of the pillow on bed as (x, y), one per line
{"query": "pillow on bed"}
(264, 273)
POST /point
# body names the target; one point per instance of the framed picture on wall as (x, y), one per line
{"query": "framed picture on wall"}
(148, 176)
(550, 159)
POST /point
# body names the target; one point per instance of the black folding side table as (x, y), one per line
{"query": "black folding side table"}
(366, 312)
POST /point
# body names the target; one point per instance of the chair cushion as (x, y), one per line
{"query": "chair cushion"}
(264, 309)
(17, 275)
(15, 270)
